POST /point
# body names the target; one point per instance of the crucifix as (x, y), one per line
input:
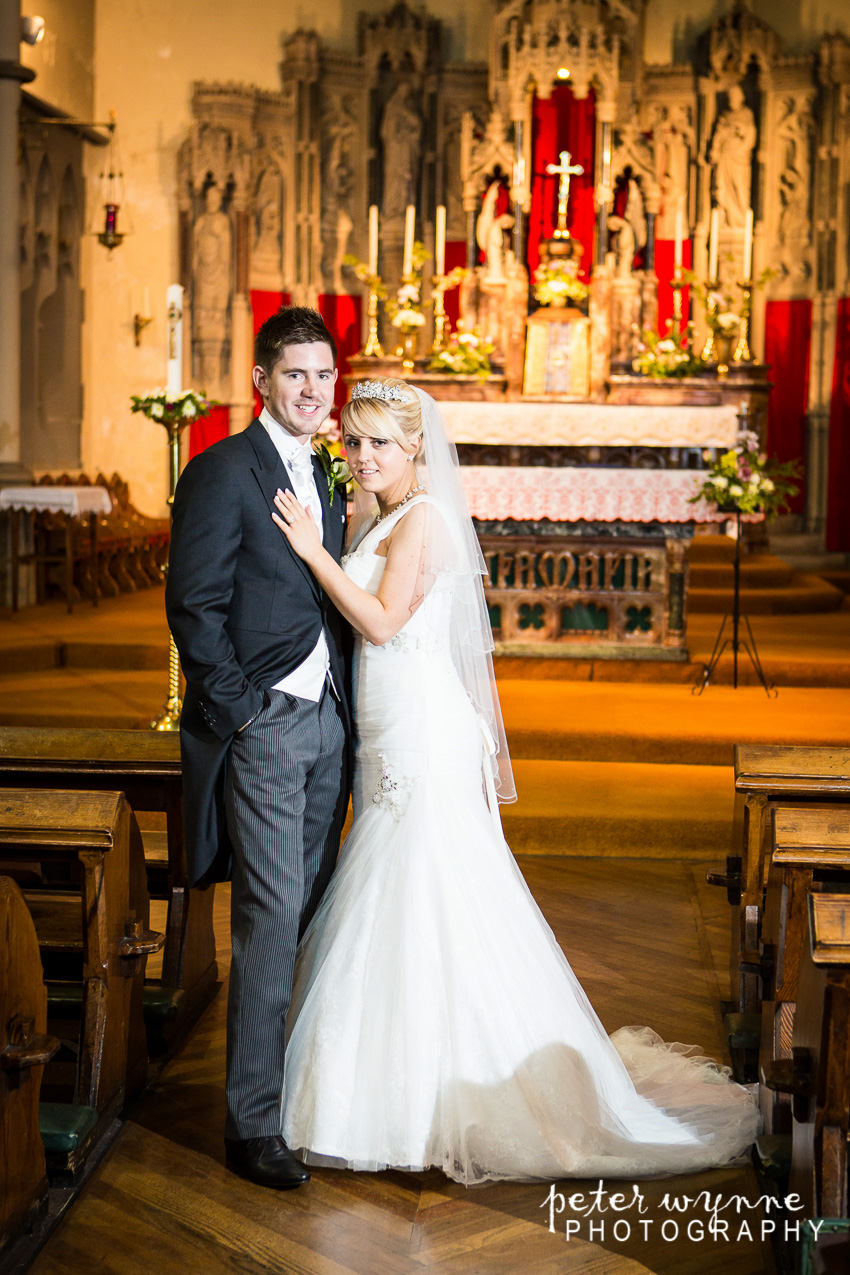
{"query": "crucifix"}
(565, 170)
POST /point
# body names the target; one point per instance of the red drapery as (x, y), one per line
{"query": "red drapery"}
(208, 430)
(665, 253)
(838, 502)
(787, 339)
(455, 256)
(561, 123)
(263, 306)
(342, 316)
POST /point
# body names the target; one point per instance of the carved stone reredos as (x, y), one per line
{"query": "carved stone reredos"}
(596, 41)
(401, 39)
(737, 39)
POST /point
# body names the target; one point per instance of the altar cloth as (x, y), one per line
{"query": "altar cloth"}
(593, 495)
(590, 424)
(76, 501)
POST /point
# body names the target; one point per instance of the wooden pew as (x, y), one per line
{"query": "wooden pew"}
(146, 766)
(817, 1076)
(810, 852)
(24, 1049)
(80, 857)
(765, 775)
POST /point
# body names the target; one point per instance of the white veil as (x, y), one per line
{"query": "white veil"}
(451, 552)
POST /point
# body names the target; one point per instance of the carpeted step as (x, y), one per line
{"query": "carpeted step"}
(760, 571)
(805, 595)
(711, 549)
(838, 579)
(593, 721)
(620, 810)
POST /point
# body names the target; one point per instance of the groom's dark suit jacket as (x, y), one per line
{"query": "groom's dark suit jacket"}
(244, 611)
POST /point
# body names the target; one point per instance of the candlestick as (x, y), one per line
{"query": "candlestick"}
(748, 245)
(677, 285)
(373, 239)
(440, 245)
(373, 348)
(709, 349)
(409, 227)
(712, 244)
(441, 319)
(677, 258)
(742, 349)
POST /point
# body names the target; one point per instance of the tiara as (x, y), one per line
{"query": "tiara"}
(377, 389)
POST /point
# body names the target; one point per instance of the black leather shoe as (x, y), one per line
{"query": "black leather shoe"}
(266, 1161)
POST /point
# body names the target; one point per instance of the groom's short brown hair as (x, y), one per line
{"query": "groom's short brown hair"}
(292, 325)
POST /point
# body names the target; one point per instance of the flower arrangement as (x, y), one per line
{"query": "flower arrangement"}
(719, 303)
(556, 282)
(667, 356)
(188, 406)
(467, 354)
(744, 480)
(405, 308)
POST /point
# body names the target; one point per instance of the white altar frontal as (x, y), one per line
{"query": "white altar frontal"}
(537, 424)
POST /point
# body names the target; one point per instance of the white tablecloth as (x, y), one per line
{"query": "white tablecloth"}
(590, 424)
(77, 501)
(595, 495)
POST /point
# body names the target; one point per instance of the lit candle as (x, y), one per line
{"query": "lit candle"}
(373, 239)
(677, 259)
(409, 225)
(440, 247)
(712, 245)
(748, 245)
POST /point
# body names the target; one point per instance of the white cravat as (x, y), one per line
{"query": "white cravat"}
(308, 679)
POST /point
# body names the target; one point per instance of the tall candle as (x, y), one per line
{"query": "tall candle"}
(677, 259)
(712, 244)
(373, 239)
(440, 246)
(748, 245)
(409, 225)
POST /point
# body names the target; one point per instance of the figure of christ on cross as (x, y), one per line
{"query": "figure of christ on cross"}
(565, 171)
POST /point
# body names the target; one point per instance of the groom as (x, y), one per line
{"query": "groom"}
(265, 717)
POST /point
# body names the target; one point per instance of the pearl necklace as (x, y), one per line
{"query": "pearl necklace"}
(414, 491)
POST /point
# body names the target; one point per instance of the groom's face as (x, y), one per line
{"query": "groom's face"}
(299, 390)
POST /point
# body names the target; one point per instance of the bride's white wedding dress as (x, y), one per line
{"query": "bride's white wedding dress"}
(435, 1020)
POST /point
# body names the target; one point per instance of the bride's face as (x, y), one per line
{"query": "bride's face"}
(379, 465)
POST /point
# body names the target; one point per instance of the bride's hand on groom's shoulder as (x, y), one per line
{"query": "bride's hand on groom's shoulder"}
(297, 524)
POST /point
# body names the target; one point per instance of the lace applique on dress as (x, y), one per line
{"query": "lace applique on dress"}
(393, 794)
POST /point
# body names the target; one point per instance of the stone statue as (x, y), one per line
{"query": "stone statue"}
(212, 244)
(794, 133)
(337, 189)
(490, 235)
(625, 250)
(267, 218)
(731, 154)
(401, 134)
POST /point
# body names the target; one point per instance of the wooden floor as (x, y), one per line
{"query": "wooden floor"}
(648, 942)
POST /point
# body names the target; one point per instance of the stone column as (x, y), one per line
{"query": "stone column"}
(12, 76)
(605, 112)
(519, 182)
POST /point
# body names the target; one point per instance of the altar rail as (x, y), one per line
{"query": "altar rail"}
(631, 600)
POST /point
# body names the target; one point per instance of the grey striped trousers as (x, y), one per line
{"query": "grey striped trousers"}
(287, 794)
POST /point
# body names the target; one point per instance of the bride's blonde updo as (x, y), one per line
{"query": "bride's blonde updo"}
(387, 418)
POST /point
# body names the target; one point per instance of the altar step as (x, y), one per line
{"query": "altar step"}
(620, 810)
(769, 585)
(667, 725)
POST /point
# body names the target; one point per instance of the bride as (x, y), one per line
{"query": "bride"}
(435, 1021)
